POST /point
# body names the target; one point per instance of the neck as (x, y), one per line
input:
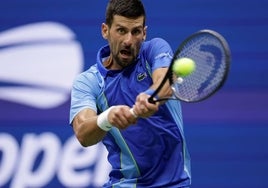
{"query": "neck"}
(108, 62)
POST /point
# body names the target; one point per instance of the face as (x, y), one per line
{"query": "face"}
(125, 37)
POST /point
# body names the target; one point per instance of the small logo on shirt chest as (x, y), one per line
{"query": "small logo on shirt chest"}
(141, 76)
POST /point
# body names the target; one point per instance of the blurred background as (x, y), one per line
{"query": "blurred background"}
(44, 44)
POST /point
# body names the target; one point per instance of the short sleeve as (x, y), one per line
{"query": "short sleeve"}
(84, 94)
(159, 53)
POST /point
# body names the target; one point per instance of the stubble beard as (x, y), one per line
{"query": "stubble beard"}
(124, 62)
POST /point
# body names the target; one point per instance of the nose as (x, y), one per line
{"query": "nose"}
(128, 39)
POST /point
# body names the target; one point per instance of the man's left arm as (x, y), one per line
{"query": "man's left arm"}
(143, 108)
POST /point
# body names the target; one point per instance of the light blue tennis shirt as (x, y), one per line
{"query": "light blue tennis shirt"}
(153, 152)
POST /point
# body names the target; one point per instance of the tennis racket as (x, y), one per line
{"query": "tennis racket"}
(212, 57)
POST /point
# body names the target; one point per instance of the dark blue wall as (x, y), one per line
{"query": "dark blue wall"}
(228, 133)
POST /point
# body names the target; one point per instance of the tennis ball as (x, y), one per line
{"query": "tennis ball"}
(183, 66)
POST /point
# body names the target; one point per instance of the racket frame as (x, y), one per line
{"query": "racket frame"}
(169, 74)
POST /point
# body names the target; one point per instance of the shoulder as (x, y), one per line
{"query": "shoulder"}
(156, 42)
(155, 46)
(87, 74)
(157, 52)
(90, 77)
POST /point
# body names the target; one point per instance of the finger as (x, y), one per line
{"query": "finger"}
(123, 118)
(133, 113)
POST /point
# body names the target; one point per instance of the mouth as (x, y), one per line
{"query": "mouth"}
(125, 53)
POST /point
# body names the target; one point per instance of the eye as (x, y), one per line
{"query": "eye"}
(121, 31)
(136, 32)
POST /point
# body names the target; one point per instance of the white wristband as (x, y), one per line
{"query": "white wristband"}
(102, 120)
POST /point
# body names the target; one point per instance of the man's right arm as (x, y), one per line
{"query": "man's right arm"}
(87, 130)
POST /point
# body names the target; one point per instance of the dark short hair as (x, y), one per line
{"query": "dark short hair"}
(126, 8)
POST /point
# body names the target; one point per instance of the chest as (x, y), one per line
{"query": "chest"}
(122, 88)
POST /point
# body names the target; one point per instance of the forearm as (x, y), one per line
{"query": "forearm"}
(87, 131)
(90, 128)
(157, 77)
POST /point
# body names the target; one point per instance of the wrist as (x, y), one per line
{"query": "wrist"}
(103, 121)
(150, 92)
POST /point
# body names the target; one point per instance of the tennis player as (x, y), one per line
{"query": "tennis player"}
(146, 146)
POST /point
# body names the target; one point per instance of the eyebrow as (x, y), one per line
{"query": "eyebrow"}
(137, 27)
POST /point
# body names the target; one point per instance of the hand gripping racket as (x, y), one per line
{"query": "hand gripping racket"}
(212, 57)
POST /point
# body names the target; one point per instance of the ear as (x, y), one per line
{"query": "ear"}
(145, 33)
(104, 30)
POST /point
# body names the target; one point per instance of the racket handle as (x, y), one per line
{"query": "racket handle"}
(151, 100)
(133, 113)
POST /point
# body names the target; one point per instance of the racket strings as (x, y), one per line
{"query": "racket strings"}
(209, 55)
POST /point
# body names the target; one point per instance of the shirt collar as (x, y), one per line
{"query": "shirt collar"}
(103, 53)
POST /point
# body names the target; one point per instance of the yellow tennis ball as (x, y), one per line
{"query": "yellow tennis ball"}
(183, 66)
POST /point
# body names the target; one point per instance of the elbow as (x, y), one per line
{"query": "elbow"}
(87, 135)
(168, 92)
(80, 136)
(82, 141)
(86, 141)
